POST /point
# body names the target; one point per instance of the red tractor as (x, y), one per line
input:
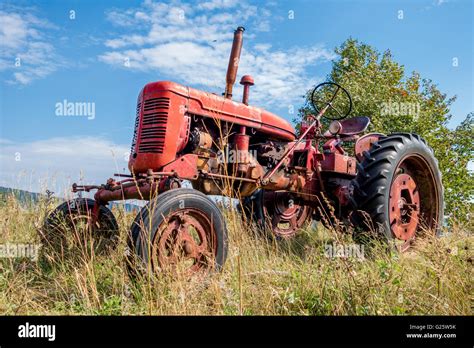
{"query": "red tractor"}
(389, 184)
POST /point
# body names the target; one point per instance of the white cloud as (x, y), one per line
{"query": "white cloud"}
(58, 162)
(191, 45)
(23, 41)
(217, 4)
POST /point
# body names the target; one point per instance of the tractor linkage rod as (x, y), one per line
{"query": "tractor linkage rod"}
(220, 176)
(267, 176)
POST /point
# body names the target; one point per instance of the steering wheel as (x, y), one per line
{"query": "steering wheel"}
(324, 95)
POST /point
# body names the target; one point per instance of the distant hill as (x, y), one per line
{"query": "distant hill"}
(21, 195)
(27, 198)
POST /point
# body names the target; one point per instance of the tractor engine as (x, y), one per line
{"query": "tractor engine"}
(227, 138)
(221, 136)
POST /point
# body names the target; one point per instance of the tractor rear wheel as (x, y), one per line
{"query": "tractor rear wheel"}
(277, 212)
(398, 191)
(69, 229)
(180, 230)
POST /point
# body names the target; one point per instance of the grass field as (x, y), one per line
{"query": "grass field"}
(260, 277)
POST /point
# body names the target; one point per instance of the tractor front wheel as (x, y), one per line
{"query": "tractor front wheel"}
(70, 229)
(180, 230)
(398, 191)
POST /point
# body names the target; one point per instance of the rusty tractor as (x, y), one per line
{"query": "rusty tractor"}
(389, 184)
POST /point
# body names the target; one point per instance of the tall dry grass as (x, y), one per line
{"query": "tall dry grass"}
(260, 277)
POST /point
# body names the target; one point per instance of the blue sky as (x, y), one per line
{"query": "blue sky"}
(110, 49)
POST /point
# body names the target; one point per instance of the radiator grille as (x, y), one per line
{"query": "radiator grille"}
(135, 129)
(153, 126)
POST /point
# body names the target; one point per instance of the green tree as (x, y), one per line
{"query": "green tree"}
(396, 102)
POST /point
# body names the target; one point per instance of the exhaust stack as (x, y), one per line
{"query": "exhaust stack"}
(234, 61)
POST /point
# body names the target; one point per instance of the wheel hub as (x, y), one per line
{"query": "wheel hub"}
(404, 206)
(286, 217)
(286, 208)
(186, 240)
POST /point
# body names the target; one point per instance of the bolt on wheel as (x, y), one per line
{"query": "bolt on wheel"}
(404, 207)
(276, 212)
(399, 191)
(182, 231)
(185, 241)
(284, 216)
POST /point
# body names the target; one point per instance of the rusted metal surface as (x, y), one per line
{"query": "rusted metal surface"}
(286, 216)
(160, 129)
(144, 191)
(185, 242)
(234, 61)
(241, 142)
(246, 81)
(404, 206)
(163, 126)
(339, 163)
(314, 124)
(364, 143)
(343, 194)
(228, 177)
(184, 167)
(353, 126)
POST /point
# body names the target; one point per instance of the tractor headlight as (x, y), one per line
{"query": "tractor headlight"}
(335, 127)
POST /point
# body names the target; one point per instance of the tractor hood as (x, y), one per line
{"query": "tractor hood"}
(211, 105)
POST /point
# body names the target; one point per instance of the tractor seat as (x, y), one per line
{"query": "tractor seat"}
(352, 126)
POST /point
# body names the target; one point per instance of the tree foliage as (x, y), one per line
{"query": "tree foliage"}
(398, 102)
